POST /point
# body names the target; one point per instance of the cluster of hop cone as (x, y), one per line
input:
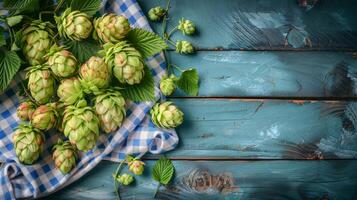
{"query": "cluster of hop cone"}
(78, 99)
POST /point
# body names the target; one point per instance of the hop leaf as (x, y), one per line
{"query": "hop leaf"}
(9, 64)
(147, 43)
(82, 50)
(163, 170)
(188, 82)
(90, 7)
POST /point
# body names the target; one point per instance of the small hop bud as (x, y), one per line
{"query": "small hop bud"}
(184, 47)
(155, 14)
(167, 85)
(186, 26)
(125, 179)
(136, 166)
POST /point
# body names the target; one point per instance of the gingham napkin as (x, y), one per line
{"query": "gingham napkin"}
(136, 136)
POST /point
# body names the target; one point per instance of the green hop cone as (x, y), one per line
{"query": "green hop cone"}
(70, 91)
(136, 166)
(62, 62)
(124, 179)
(111, 28)
(110, 108)
(25, 110)
(125, 61)
(81, 126)
(166, 115)
(36, 40)
(187, 27)
(41, 83)
(156, 13)
(184, 47)
(45, 117)
(94, 74)
(167, 84)
(65, 156)
(74, 25)
(28, 143)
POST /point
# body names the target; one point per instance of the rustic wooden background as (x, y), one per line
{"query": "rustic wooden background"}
(276, 116)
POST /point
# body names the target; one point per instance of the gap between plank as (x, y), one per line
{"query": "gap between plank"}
(153, 157)
(274, 49)
(283, 98)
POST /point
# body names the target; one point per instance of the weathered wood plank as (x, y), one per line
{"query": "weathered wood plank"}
(228, 180)
(266, 129)
(261, 24)
(278, 74)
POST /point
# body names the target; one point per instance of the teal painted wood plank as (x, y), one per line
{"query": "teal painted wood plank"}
(228, 180)
(267, 73)
(261, 24)
(266, 129)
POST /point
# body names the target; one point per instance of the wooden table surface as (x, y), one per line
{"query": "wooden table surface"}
(276, 117)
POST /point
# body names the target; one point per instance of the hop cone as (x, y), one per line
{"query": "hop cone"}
(111, 28)
(125, 179)
(65, 156)
(184, 47)
(136, 166)
(186, 26)
(95, 74)
(81, 126)
(166, 115)
(167, 85)
(155, 14)
(25, 110)
(45, 117)
(36, 40)
(62, 62)
(126, 62)
(70, 91)
(109, 106)
(74, 25)
(41, 83)
(28, 143)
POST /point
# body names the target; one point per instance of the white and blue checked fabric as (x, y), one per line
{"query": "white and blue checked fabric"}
(136, 136)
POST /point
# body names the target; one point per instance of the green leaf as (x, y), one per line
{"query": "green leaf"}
(87, 6)
(163, 170)
(144, 91)
(146, 42)
(83, 50)
(188, 82)
(19, 6)
(9, 64)
(2, 36)
(12, 21)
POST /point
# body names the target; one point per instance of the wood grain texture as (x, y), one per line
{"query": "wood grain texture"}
(266, 129)
(262, 24)
(272, 74)
(227, 180)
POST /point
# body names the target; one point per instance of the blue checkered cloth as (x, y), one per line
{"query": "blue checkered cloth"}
(136, 136)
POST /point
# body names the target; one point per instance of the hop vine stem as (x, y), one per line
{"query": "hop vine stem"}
(177, 67)
(27, 94)
(115, 180)
(59, 5)
(157, 190)
(171, 32)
